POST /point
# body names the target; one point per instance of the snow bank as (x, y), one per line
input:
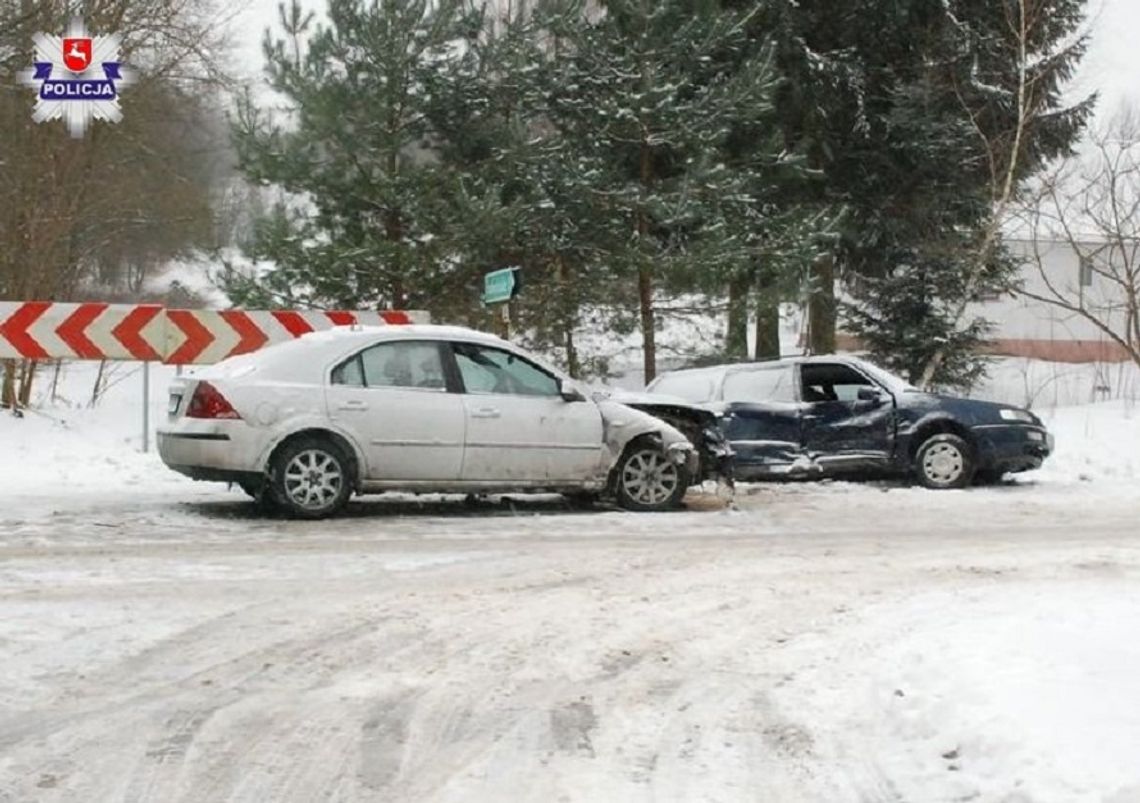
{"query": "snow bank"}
(1041, 385)
(1096, 443)
(1013, 694)
(63, 445)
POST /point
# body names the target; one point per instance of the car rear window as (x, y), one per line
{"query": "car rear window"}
(775, 384)
(695, 388)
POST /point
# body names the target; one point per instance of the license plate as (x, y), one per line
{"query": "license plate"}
(172, 407)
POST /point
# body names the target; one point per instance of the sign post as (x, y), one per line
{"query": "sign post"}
(499, 287)
(146, 406)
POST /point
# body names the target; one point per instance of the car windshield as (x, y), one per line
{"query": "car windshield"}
(885, 378)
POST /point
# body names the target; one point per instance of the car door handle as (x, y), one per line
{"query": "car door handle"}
(353, 406)
(486, 412)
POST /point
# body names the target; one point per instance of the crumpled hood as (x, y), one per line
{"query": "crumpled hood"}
(706, 414)
(623, 424)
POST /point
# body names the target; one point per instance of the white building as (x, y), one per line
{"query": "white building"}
(1100, 277)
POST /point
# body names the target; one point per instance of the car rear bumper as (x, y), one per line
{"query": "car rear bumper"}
(211, 449)
(1012, 447)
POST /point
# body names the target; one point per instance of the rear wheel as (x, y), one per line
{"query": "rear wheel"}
(647, 480)
(944, 461)
(311, 478)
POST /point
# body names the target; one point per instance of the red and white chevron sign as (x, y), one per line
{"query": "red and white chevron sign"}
(43, 330)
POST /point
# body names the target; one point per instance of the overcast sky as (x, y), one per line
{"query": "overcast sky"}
(1111, 67)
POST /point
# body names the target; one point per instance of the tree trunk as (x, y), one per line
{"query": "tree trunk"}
(767, 322)
(644, 271)
(568, 317)
(648, 335)
(97, 388)
(573, 367)
(394, 233)
(821, 307)
(57, 369)
(8, 389)
(27, 377)
(736, 339)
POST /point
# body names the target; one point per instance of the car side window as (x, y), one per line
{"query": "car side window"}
(401, 364)
(349, 373)
(773, 384)
(831, 382)
(491, 370)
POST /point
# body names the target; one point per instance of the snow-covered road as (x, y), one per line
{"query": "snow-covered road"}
(821, 643)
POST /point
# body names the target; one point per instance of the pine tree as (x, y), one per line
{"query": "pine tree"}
(640, 106)
(909, 317)
(367, 210)
(519, 202)
(909, 110)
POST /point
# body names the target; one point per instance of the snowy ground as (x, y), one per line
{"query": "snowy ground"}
(826, 642)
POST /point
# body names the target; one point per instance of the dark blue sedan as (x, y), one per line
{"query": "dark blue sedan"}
(844, 417)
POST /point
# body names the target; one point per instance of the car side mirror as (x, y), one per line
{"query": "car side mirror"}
(873, 395)
(569, 392)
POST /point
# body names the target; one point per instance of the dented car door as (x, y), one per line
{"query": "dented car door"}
(762, 420)
(848, 420)
(518, 425)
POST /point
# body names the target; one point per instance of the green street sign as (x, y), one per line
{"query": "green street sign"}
(501, 285)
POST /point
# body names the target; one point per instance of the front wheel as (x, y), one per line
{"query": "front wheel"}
(311, 478)
(944, 461)
(647, 480)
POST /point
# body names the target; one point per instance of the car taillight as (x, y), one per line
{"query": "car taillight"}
(208, 402)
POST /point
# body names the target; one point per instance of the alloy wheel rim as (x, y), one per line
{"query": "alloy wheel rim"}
(313, 479)
(649, 478)
(943, 463)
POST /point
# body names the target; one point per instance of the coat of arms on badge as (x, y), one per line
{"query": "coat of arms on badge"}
(77, 54)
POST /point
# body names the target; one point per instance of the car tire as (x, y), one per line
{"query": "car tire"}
(311, 478)
(944, 461)
(646, 480)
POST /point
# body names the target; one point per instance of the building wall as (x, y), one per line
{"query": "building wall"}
(1025, 327)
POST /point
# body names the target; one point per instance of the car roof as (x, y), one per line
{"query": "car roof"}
(731, 367)
(306, 358)
(402, 332)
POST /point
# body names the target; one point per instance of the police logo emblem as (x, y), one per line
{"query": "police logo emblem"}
(77, 78)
